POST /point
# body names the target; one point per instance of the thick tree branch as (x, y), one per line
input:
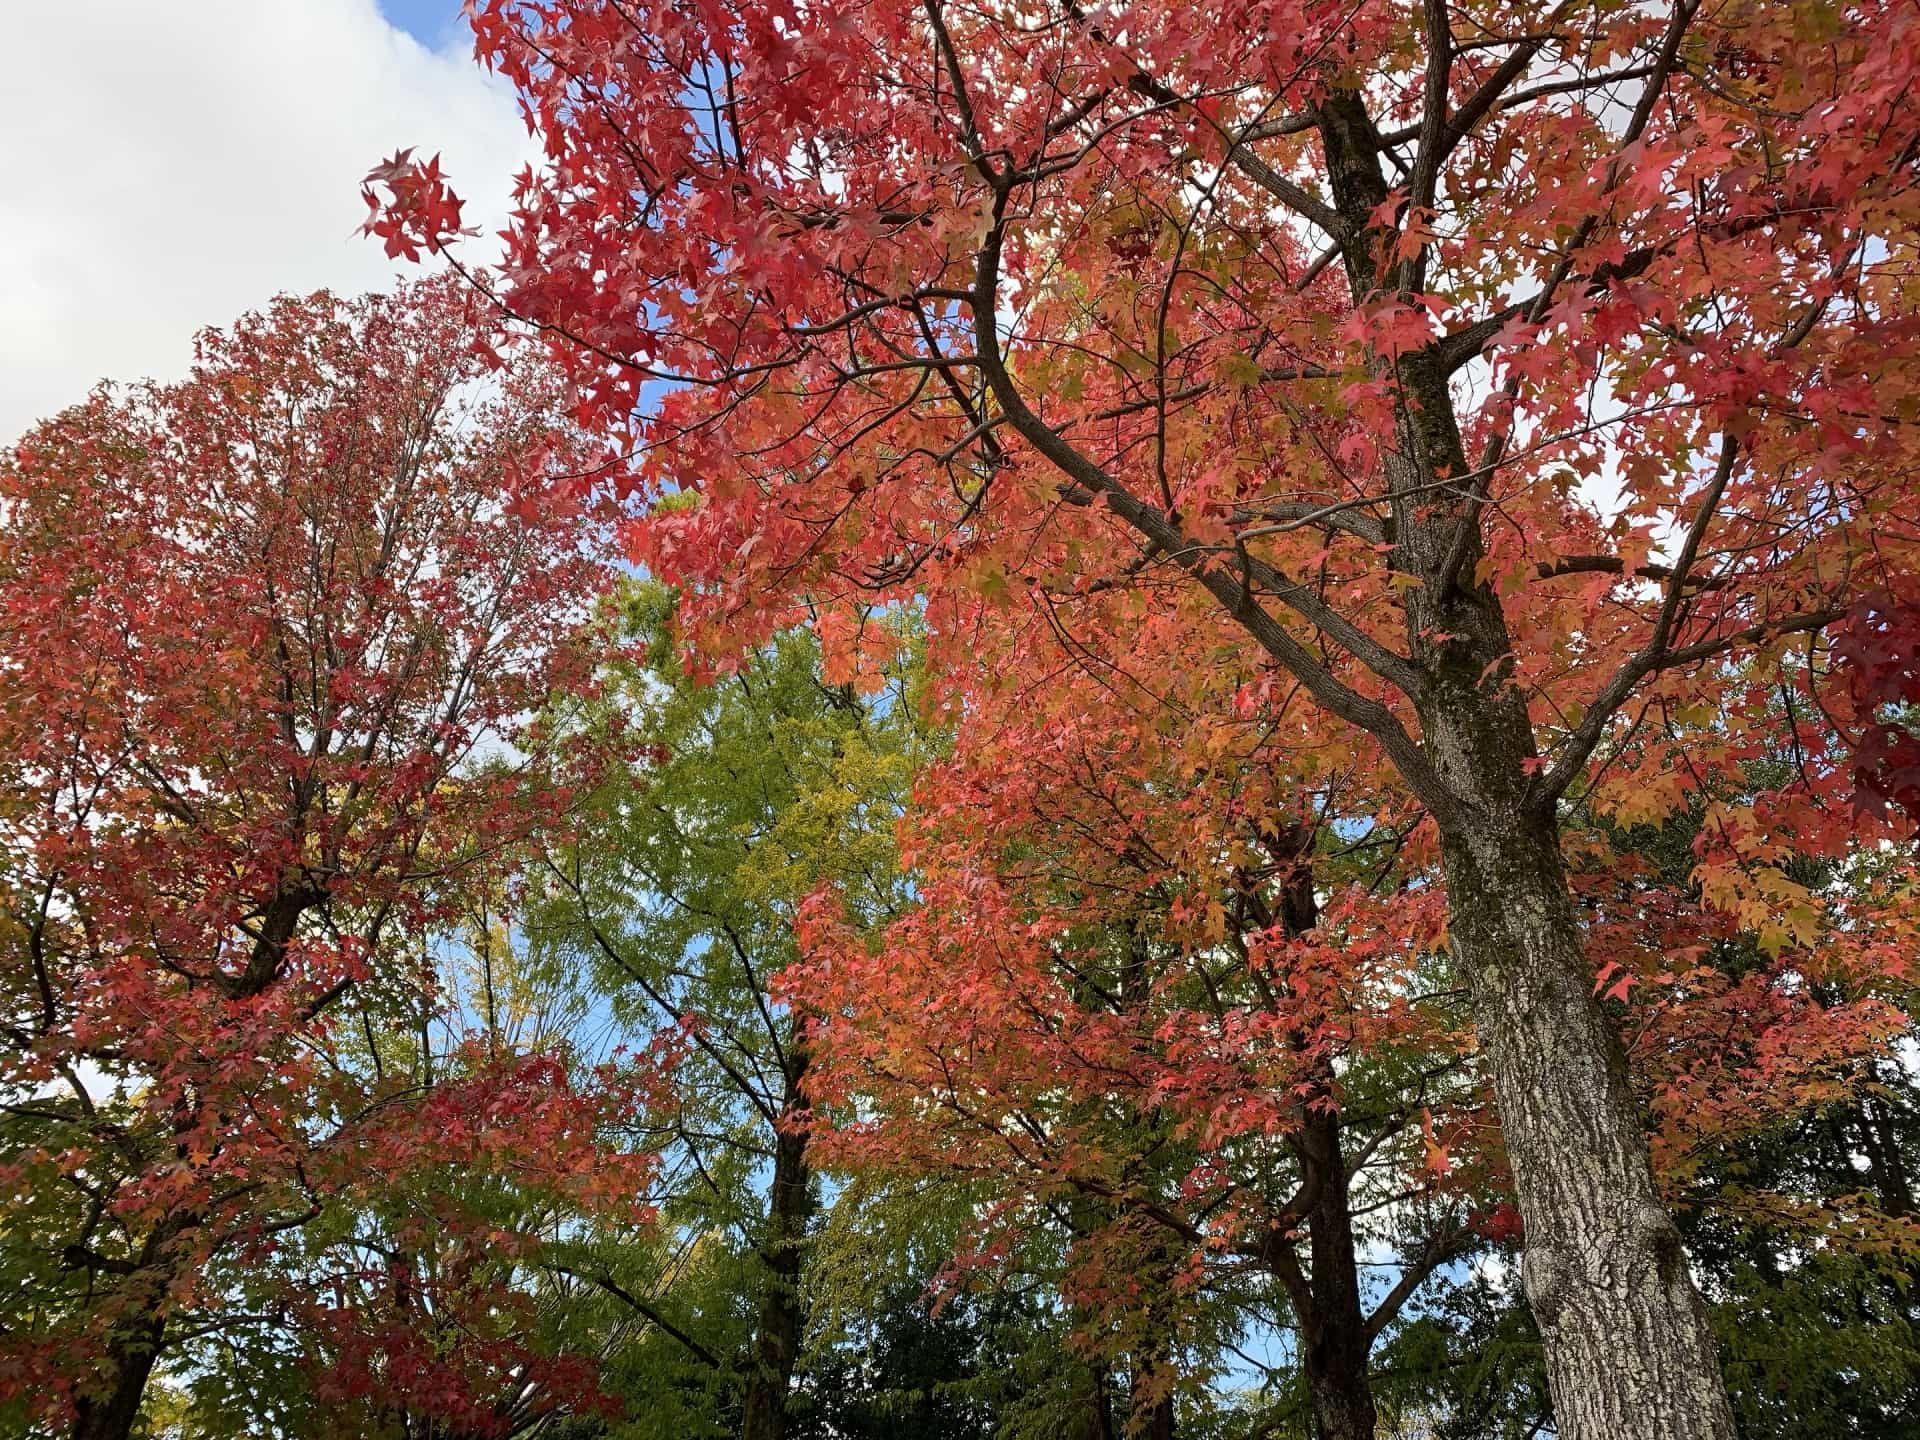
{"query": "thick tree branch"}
(1277, 517)
(1441, 1246)
(1295, 197)
(1434, 130)
(1087, 480)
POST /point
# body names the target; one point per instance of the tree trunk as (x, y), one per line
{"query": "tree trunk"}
(1886, 1165)
(1628, 1348)
(109, 1408)
(1150, 1412)
(1091, 1417)
(109, 1411)
(1154, 1421)
(1335, 1347)
(1334, 1344)
(776, 1343)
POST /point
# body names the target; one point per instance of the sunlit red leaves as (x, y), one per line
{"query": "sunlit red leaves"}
(1068, 973)
(260, 633)
(803, 256)
(418, 211)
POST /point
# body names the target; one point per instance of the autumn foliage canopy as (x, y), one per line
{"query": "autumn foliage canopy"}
(1519, 411)
(258, 629)
(1026, 709)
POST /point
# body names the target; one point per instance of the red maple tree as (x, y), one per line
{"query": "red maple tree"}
(271, 639)
(1504, 380)
(1164, 989)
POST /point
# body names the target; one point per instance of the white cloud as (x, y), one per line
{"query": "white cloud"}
(166, 167)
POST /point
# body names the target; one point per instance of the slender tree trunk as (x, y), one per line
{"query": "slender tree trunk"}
(1150, 1414)
(776, 1343)
(1154, 1421)
(1091, 1417)
(1334, 1343)
(1887, 1167)
(109, 1404)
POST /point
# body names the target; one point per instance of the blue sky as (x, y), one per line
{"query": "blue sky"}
(430, 22)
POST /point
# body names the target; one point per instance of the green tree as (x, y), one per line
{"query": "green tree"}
(678, 892)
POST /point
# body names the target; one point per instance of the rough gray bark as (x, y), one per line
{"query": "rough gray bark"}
(1628, 1348)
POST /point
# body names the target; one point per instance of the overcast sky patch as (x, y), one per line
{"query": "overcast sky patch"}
(167, 167)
